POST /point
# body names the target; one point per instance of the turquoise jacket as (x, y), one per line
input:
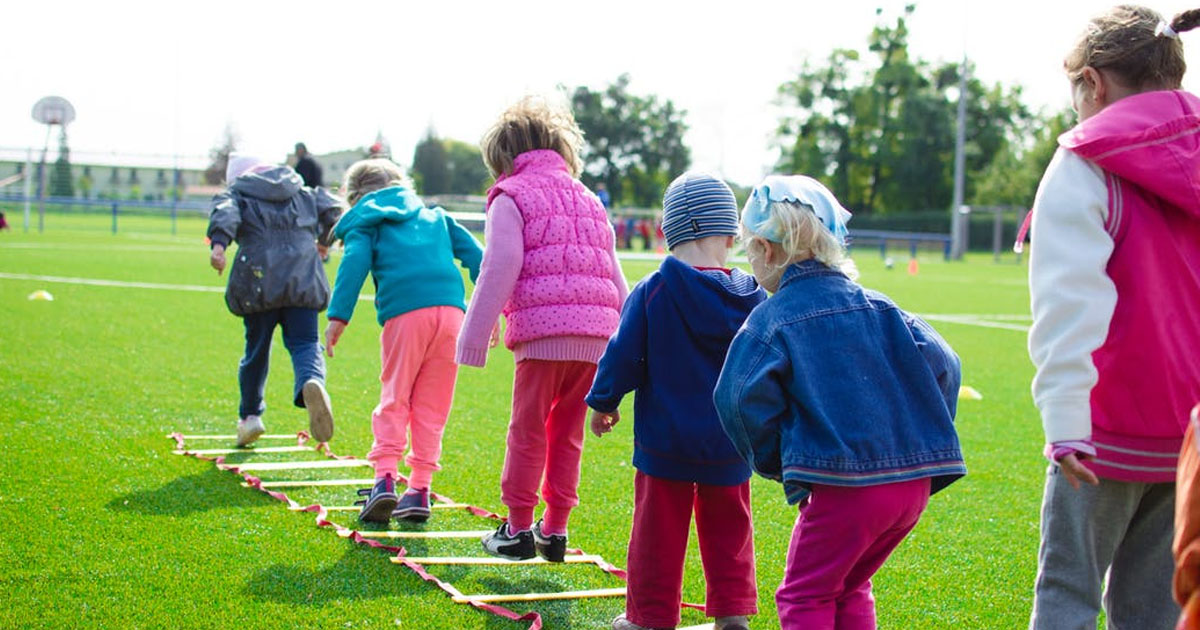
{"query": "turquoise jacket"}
(409, 250)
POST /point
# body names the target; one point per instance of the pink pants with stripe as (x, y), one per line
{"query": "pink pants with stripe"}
(417, 374)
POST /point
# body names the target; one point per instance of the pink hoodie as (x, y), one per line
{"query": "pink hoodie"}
(1145, 349)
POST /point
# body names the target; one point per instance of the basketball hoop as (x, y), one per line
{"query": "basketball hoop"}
(53, 110)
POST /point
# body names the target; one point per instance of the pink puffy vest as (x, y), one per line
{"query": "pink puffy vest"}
(565, 287)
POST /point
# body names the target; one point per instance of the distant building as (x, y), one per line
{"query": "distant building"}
(110, 181)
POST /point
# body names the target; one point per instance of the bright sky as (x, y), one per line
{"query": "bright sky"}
(166, 77)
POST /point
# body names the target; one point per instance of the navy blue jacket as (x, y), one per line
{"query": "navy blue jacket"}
(830, 383)
(676, 326)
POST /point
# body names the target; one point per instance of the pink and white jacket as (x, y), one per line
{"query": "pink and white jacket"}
(1114, 281)
(549, 265)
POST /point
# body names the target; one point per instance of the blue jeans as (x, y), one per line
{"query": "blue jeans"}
(299, 337)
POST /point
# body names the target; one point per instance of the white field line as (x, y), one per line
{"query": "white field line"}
(974, 320)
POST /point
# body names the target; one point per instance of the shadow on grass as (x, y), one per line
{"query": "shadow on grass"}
(360, 574)
(189, 495)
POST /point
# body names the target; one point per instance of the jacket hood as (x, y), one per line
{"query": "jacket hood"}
(1151, 139)
(274, 184)
(396, 204)
(732, 296)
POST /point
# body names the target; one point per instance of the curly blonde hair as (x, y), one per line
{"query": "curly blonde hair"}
(804, 237)
(532, 123)
(366, 176)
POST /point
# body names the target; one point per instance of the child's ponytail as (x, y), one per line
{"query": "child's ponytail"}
(1135, 44)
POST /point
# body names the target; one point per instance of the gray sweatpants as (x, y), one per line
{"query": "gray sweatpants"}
(1120, 528)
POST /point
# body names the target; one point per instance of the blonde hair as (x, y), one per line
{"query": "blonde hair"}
(532, 123)
(1125, 41)
(366, 176)
(804, 237)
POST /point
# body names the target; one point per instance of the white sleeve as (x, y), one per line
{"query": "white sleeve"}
(1071, 294)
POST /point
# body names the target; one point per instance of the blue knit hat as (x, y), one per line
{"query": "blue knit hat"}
(697, 205)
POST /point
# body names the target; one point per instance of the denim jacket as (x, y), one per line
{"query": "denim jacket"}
(831, 383)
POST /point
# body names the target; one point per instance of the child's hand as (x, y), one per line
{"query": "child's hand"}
(1075, 471)
(217, 258)
(495, 338)
(333, 332)
(604, 422)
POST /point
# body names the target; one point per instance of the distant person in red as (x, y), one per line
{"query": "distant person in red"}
(307, 167)
(3, 223)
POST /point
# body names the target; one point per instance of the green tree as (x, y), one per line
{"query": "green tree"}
(1013, 177)
(633, 143)
(880, 129)
(431, 172)
(467, 172)
(61, 182)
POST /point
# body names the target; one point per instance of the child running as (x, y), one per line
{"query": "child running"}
(409, 250)
(277, 280)
(1114, 281)
(833, 390)
(551, 268)
(675, 330)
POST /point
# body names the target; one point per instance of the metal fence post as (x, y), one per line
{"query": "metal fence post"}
(114, 228)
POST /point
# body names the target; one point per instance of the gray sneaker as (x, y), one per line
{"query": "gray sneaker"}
(320, 412)
(740, 622)
(248, 430)
(621, 623)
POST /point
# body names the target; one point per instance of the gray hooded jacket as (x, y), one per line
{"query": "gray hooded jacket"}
(275, 220)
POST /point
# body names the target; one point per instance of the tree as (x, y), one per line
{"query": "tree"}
(61, 182)
(430, 169)
(1013, 177)
(218, 156)
(880, 130)
(634, 144)
(468, 174)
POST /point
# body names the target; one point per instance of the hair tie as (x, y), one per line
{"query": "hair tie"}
(1164, 30)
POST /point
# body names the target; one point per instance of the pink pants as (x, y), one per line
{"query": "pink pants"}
(417, 373)
(545, 441)
(840, 540)
(662, 516)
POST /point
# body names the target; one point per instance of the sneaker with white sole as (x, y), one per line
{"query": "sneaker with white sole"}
(320, 411)
(413, 506)
(380, 501)
(552, 547)
(622, 623)
(248, 430)
(503, 544)
(740, 622)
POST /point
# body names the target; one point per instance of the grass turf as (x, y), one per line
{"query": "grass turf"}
(101, 526)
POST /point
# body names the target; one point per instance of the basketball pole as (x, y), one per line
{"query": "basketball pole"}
(28, 184)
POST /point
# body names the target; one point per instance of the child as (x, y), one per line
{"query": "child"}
(1114, 282)
(551, 267)
(675, 330)
(843, 397)
(409, 250)
(277, 280)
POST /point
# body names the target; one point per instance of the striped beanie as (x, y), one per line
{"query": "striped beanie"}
(697, 205)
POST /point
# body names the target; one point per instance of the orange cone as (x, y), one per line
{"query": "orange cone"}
(913, 267)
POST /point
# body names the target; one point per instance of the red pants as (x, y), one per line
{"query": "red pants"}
(545, 441)
(662, 514)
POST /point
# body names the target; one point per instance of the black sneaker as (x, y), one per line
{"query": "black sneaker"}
(413, 506)
(510, 547)
(552, 547)
(380, 501)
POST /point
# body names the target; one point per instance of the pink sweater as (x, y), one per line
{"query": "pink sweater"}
(502, 258)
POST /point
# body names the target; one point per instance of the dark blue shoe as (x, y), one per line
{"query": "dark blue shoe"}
(380, 501)
(413, 506)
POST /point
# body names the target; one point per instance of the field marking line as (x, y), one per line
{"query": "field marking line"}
(973, 321)
(104, 248)
(125, 284)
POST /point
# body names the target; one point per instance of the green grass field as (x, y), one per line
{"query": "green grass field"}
(102, 526)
